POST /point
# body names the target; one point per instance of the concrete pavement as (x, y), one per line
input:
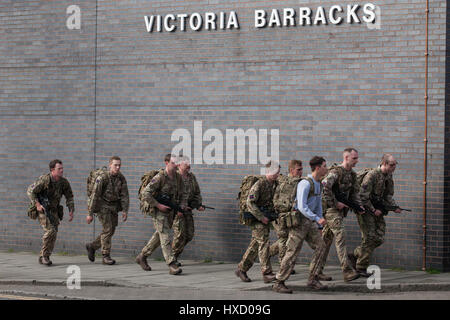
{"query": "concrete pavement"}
(22, 268)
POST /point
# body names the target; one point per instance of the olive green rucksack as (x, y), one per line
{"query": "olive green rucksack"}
(145, 180)
(362, 173)
(244, 190)
(93, 175)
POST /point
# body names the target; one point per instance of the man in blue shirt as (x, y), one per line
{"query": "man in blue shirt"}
(308, 208)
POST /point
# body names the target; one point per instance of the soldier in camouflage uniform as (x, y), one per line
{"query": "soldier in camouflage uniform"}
(301, 222)
(279, 247)
(340, 179)
(260, 195)
(377, 190)
(167, 182)
(53, 186)
(109, 197)
(183, 226)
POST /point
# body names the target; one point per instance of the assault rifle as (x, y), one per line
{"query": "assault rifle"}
(167, 201)
(206, 207)
(271, 215)
(342, 197)
(378, 204)
(202, 205)
(45, 203)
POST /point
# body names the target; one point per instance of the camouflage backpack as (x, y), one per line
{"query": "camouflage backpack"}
(362, 173)
(145, 180)
(284, 199)
(93, 175)
(32, 210)
(244, 190)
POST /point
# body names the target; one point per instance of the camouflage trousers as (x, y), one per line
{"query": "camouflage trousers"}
(334, 229)
(373, 229)
(183, 232)
(258, 247)
(162, 223)
(307, 230)
(279, 246)
(50, 233)
(109, 220)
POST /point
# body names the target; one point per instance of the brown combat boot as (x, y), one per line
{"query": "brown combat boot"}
(315, 284)
(352, 258)
(142, 261)
(363, 273)
(350, 276)
(173, 269)
(243, 275)
(269, 277)
(91, 252)
(323, 277)
(107, 260)
(45, 261)
(280, 287)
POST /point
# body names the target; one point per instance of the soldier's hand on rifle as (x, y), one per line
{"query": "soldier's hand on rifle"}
(39, 207)
(186, 208)
(201, 208)
(70, 216)
(124, 216)
(398, 210)
(162, 207)
(341, 206)
(89, 219)
(265, 220)
(180, 214)
(378, 212)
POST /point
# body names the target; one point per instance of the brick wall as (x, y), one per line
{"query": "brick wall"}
(112, 88)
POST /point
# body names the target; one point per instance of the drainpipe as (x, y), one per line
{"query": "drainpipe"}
(425, 142)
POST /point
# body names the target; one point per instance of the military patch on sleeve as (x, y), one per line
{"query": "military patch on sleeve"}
(251, 196)
(153, 180)
(98, 180)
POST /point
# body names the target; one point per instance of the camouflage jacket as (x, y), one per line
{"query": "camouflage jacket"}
(162, 184)
(377, 187)
(54, 190)
(261, 195)
(191, 191)
(346, 182)
(109, 191)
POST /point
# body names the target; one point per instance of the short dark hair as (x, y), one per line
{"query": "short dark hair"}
(167, 157)
(53, 163)
(315, 162)
(114, 158)
(349, 150)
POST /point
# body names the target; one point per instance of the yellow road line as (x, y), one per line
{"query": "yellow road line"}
(17, 297)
